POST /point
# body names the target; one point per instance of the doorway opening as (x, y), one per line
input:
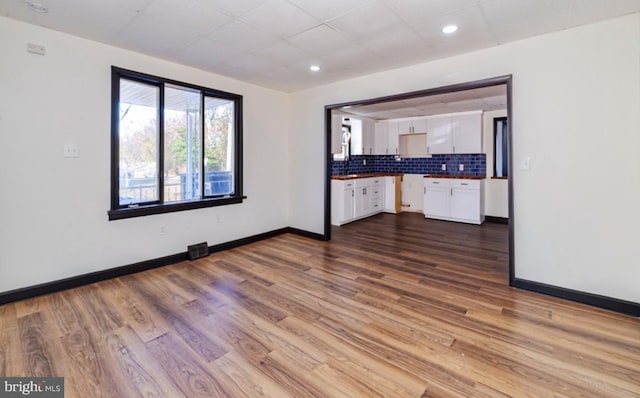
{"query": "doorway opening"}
(427, 101)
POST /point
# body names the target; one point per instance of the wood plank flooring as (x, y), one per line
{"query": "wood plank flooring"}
(392, 307)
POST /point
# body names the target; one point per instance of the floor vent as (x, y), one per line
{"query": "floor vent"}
(198, 250)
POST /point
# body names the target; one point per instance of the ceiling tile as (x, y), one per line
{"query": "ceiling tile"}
(147, 32)
(189, 15)
(234, 8)
(241, 37)
(587, 11)
(401, 42)
(279, 18)
(370, 20)
(472, 34)
(320, 40)
(414, 11)
(325, 10)
(283, 54)
(506, 17)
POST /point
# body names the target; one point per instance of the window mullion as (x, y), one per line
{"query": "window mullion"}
(202, 146)
(160, 149)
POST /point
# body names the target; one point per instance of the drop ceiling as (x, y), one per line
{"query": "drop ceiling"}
(272, 43)
(482, 99)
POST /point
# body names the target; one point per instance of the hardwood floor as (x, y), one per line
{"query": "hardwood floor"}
(393, 306)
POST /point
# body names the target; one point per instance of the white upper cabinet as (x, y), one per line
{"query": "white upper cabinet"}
(336, 133)
(412, 126)
(467, 133)
(455, 134)
(381, 134)
(362, 136)
(393, 137)
(439, 137)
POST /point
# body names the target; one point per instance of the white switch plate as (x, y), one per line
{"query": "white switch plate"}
(444, 167)
(461, 167)
(71, 151)
(36, 49)
(526, 163)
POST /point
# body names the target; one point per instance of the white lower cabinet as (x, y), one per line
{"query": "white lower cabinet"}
(356, 198)
(391, 195)
(342, 201)
(454, 199)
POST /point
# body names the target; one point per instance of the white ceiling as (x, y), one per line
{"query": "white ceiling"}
(485, 99)
(273, 42)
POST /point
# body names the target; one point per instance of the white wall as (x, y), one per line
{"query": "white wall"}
(53, 211)
(496, 191)
(576, 112)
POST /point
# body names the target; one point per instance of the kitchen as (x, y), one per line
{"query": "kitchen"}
(443, 156)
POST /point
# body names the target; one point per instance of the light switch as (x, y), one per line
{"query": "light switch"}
(461, 167)
(526, 163)
(71, 151)
(444, 167)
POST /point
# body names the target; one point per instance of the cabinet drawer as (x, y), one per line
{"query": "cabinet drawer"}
(470, 184)
(437, 182)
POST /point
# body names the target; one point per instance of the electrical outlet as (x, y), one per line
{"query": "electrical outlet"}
(526, 163)
(364, 162)
(461, 167)
(218, 219)
(71, 151)
(444, 167)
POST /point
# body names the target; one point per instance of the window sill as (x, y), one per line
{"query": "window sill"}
(140, 211)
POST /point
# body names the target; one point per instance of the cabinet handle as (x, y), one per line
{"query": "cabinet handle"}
(435, 182)
(464, 183)
(454, 149)
(427, 148)
(451, 190)
(425, 190)
(352, 193)
(397, 152)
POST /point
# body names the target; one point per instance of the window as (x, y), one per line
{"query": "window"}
(500, 147)
(174, 146)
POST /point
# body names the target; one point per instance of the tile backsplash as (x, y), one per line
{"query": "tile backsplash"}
(474, 165)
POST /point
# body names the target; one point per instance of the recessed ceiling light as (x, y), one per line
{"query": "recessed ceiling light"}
(449, 29)
(37, 7)
(314, 68)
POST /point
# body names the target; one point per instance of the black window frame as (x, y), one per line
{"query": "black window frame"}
(119, 211)
(505, 146)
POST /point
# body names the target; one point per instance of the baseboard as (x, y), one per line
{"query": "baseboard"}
(307, 234)
(607, 303)
(497, 220)
(98, 276)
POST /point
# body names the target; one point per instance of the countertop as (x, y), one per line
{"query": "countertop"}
(456, 177)
(364, 175)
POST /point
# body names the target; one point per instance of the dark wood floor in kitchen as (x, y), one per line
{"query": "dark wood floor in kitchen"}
(393, 306)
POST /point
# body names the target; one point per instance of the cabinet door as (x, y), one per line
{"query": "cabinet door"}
(348, 197)
(465, 204)
(363, 202)
(419, 126)
(467, 133)
(336, 133)
(436, 201)
(439, 135)
(380, 138)
(405, 127)
(393, 138)
(369, 136)
(390, 192)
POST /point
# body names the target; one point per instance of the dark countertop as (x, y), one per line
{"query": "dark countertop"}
(364, 175)
(456, 177)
